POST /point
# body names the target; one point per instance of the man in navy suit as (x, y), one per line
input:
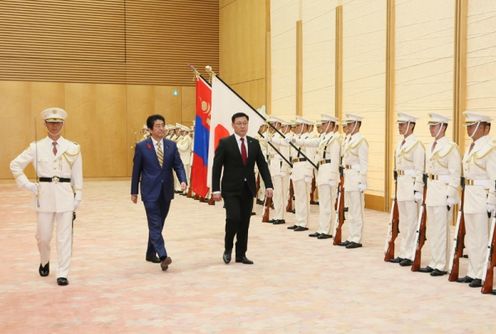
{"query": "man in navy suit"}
(237, 155)
(154, 160)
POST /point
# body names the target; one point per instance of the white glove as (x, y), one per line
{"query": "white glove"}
(451, 201)
(76, 203)
(362, 187)
(491, 208)
(32, 187)
(418, 197)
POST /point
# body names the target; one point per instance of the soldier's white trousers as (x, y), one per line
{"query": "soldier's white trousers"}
(355, 202)
(437, 235)
(476, 238)
(327, 215)
(408, 214)
(302, 201)
(280, 196)
(46, 221)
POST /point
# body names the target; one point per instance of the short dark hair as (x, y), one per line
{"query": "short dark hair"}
(152, 118)
(239, 115)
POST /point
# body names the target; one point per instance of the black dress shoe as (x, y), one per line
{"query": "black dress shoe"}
(292, 227)
(437, 272)
(226, 257)
(406, 262)
(344, 243)
(300, 228)
(244, 260)
(352, 245)
(44, 270)
(314, 235)
(272, 221)
(62, 281)
(466, 279)
(260, 202)
(426, 270)
(279, 222)
(476, 283)
(396, 260)
(324, 236)
(164, 264)
(153, 259)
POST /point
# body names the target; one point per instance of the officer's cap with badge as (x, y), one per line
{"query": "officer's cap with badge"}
(274, 119)
(352, 118)
(324, 118)
(472, 117)
(435, 119)
(403, 117)
(301, 120)
(54, 115)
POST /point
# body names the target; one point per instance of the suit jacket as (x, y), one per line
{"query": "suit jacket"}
(153, 178)
(228, 155)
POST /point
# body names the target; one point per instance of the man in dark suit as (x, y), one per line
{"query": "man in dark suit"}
(154, 160)
(237, 154)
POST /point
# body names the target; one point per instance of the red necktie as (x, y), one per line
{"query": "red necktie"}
(244, 156)
(54, 149)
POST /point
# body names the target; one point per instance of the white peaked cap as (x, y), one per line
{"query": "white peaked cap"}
(328, 118)
(301, 120)
(472, 117)
(350, 118)
(54, 115)
(438, 118)
(184, 128)
(274, 119)
(405, 118)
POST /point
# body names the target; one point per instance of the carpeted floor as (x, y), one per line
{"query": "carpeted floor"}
(297, 284)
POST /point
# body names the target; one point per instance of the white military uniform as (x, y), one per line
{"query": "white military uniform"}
(355, 163)
(56, 201)
(185, 147)
(410, 162)
(443, 168)
(479, 170)
(301, 176)
(265, 150)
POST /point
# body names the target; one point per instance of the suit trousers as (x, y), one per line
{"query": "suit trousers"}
(156, 212)
(327, 198)
(302, 201)
(44, 232)
(238, 214)
(355, 202)
(437, 235)
(281, 194)
(476, 239)
(408, 215)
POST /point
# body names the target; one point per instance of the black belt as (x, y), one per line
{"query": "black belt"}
(324, 161)
(54, 179)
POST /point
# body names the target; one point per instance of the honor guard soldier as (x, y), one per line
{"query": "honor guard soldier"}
(328, 159)
(185, 147)
(443, 168)
(409, 165)
(58, 189)
(479, 171)
(301, 175)
(355, 164)
(262, 136)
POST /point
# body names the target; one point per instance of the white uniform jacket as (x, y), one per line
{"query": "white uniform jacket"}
(410, 160)
(355, 162)
(278, 166)
(327, 157)
(185, 146)
(443, 167)
(479, 170)
(67, 163)
(302, 170)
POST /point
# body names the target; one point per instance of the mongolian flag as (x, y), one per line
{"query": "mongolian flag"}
(202, 133)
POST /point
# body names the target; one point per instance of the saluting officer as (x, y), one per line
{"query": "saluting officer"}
(355, 163)
(443, 168)
(58, 189)
(479, 170)
(185, 147)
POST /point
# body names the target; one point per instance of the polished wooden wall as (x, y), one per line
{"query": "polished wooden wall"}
(243, 47)
(108, 63)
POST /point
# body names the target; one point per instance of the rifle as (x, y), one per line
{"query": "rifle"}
(257, 185)
(393, 226)
(266, 214)
(421, 227)
(488, 272)
(312, 192)
(340, 209)
(289, 206)
(458, 242)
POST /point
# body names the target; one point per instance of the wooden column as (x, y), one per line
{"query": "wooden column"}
(460, 73)
(339, 64)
